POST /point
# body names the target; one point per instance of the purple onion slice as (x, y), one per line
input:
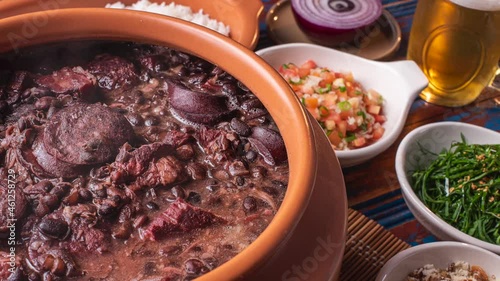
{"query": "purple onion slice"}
(335, 16)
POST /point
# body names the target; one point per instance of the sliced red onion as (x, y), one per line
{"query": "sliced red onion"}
(335, 16)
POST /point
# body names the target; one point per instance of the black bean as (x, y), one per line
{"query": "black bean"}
(240, 127)
(270, 190)
(85, 194)
(178, 192)
(194, 198)
(196, 170)
(249, 204)
(238, 168)
(251, 155)
(185, 152)
(152, 206)
(150, 268)
(240, 181)
(50, 200)
(22, 124)
(134, 119)
(279, 184)
(106, 209)
(44, 103)
(72, 198)
(43, 186)
(61, 189)
(41, 209)
(212, 188)
(211, 262)
(100, 172)
(258, 172)
(230, 89)
(171, 250)
(54, 228)
(197, 78)
(151, 121)
(195, 267)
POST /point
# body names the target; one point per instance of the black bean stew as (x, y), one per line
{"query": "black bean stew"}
(123, 161)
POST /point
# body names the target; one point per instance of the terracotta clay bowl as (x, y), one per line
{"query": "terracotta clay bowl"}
(309, 229)
(242, 16)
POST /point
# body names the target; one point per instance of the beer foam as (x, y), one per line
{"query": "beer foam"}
(482, 5)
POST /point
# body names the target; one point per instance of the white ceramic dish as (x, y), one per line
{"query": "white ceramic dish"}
(441, 254)
(398, 82)
(436, 137)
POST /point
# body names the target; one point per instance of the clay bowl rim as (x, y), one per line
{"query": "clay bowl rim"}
(248, 33)
(107, 24)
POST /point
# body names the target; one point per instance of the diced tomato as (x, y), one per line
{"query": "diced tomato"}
(359, 142)
(373, 109)
(311, 102)
(303, 72)
(329, 100)
(328, 77)
(334, 138)
(323, 111)
(309, 64)
(373, 97)
(354, 102)
(344, 114)
(352, 127)
(380, 118)
(342, 127)
(378, 132)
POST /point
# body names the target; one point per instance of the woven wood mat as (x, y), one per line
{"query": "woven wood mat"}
(368, 247)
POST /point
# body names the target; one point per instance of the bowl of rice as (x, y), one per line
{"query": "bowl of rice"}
(235, 19)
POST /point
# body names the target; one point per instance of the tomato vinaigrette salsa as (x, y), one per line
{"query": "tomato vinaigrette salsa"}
(351, 117)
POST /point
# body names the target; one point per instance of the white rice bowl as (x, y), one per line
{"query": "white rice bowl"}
(177, 11)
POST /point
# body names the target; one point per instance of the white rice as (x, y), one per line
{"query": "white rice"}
(178, 11)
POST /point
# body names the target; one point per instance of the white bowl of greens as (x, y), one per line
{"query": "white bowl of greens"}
(457, 196)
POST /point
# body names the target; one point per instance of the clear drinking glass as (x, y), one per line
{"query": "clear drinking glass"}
(456, 43)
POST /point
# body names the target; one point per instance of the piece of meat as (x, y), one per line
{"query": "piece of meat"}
(86, 134)
(112, 72)
(269, 144)
(176, 138)
(49, 164)
(197, 107)
(161, 173)
(180, 217)
(69, 80)
(130, 163)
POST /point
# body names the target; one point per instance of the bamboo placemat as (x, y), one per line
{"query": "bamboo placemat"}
(368, 247)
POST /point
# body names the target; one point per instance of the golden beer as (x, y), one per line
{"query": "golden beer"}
(457, 45)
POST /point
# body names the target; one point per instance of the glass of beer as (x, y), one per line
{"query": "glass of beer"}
(456, 43)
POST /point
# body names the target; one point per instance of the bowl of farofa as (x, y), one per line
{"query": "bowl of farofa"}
(379, 96)
(292, 236)
(419, 149)
(454, 258)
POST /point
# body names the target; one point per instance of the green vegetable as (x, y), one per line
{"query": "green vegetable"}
(342, 89)
(350, 137)
(285, 66)
(325, 90)
(462, 186)
(344, 105)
